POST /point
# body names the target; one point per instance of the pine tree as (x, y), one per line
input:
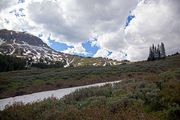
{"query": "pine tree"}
(153, 52)
(162, 51)
(150, 54)
(156, 53)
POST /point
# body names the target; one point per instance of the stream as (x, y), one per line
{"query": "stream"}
(39, 96)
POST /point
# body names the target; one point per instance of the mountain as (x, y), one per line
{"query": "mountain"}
(25, 45)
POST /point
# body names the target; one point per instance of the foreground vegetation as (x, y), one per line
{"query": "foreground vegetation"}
(149, 91)
(132, 99)
(29, 81)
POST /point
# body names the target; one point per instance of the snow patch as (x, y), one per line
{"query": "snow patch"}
(1, 41)
(68, 62)
(94, 64)
(39, 96)
(12, 50)
(105, 64)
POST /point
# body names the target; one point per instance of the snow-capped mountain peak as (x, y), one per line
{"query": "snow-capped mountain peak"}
(24, 45)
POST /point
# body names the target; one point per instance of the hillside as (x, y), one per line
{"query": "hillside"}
(149, 91)
(32, 48)
(29, 81)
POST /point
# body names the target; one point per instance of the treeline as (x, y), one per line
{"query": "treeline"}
(44, 65)
(156, 52)
(10, 63)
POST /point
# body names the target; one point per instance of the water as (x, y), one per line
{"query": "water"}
(39, 96)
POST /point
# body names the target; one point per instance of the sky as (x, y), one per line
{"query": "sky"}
(114, 29)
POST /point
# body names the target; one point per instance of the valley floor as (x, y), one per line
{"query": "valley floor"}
(39, 96)
(149, 91)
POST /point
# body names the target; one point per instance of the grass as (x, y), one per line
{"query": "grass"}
(131, 99)
(149, 91)
(27, 81)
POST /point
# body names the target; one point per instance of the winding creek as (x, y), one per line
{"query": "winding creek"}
(39, 96)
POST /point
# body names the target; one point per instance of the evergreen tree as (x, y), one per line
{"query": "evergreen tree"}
(162, 51)
(151, 55)
(156, 53)
(9, 63)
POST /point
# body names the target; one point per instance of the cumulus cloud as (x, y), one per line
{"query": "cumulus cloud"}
(6, 4)
(113, 41)
(116, 55)
(154, 22)
(100, 21)
(102, 53)
(73, 21)
(77, 49)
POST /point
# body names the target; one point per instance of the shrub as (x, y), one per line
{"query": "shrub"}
(81, 94)
(173, 112)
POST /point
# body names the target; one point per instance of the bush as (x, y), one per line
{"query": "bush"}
(173, 112)
(81, 94)
(170, 74)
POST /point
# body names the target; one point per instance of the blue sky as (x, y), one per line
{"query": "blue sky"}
(90, 49)
(129, 18)
(58, 46)
(73, 24)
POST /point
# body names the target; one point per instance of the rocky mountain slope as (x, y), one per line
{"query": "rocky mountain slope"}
(24, 45)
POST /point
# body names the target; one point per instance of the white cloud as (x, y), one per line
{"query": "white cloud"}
(154, 22)
(102, 53)
(113, 41)
(6, 4)
(77, 49)
(73, 21)
(117, 55)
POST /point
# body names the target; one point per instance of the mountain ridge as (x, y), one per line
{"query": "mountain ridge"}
(28, 46)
